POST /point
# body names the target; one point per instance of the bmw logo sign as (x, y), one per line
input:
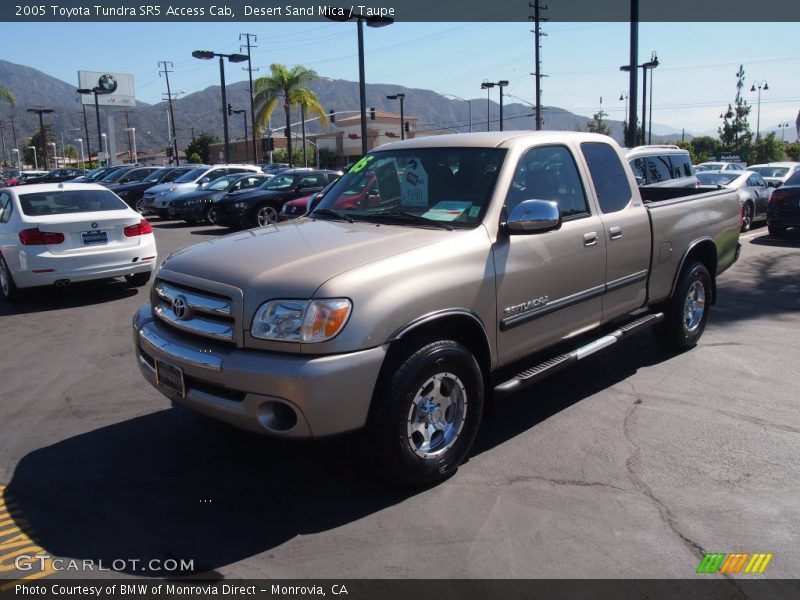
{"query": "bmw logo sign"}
(108, 83)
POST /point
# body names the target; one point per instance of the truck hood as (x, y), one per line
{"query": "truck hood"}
(293, 259)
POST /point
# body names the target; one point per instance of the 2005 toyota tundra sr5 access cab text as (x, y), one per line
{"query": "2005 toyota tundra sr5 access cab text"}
(473, 265)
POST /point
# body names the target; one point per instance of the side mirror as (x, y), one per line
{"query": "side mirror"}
(533, 216)
(204, 180)
(639, 180)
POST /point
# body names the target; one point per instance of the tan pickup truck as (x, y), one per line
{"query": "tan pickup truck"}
(471, 266)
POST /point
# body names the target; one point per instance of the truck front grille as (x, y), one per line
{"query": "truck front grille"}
(195, 312)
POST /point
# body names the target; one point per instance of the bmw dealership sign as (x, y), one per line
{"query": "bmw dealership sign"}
(114, 89)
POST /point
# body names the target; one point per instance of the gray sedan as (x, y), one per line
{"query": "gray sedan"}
(753, 190)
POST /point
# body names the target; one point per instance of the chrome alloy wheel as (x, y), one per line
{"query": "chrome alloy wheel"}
(694, 306)
(266, 216)
(436, 416)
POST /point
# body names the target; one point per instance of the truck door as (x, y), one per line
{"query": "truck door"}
(627, 227)
(550, 284)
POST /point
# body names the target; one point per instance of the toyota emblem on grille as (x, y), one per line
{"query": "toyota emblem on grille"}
(180, 307)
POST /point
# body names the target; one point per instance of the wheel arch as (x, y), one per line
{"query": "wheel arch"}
(702, 250)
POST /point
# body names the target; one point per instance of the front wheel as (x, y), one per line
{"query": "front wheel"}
(140, 206)
(426, 413)
(747, 217)
(686, 313)
(265, 215)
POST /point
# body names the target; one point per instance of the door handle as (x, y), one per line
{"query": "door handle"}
(615, 233)
(590, 239)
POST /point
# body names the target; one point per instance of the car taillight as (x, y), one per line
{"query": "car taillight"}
(779, 195)
(34, 237)
(139, 229)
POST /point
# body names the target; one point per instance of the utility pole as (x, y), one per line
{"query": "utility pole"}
(538, 34)
(250, 70)
(630, 139)
(13, 131)
(166, 73)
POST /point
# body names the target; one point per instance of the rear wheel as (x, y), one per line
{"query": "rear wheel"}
(747, 216)
(686, 313)
(7, 286)
(211, 215)
(140, 206)
(138, 279)
(776, 231)
(426, 413)
(265, 215)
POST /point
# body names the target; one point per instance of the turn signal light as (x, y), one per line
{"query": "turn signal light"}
(138, 229)
(34, 237)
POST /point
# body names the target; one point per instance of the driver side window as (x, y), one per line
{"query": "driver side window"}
(548, 173)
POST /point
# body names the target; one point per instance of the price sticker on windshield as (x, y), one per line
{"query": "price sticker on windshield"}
(359, 166)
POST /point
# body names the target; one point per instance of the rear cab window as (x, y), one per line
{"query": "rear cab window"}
(609, 176)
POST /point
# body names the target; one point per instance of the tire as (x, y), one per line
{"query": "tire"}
(264, 215)
(211, 215)
(426, 413)
(686, 313)
(138, 279)
(140, 206)
(776, 231)
(8, 288)
(747, 217)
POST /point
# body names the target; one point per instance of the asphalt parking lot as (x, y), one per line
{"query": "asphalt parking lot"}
(628, 465)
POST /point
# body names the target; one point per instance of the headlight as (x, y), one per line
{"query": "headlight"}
(306, 321)
(240, 205)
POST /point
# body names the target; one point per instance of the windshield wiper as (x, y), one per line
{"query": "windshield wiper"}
(333, 213)
(407, 216)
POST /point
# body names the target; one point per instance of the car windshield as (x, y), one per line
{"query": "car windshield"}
(710, 167)
(115, 175)
(191, 176)
(437, 187)
(155, 176)
(714, 178)
(794, 179)
(97, 173)
(770, 171)
(61, 202)
(279, 182)
(220, 184)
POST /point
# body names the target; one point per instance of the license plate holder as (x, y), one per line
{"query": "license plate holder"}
(94, 238)
(170, 377)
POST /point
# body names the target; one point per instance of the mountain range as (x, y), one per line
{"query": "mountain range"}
(200, 111)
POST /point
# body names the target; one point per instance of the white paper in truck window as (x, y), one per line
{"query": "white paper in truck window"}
(448, 210)
(415, 184)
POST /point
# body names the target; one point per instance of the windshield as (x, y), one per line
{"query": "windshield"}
(424, 186)
(770, 171)
(69, 201)
(713, 178)
(155, 176)
(220, 184)
(115, 175)
(97, 173)
(279, 182)
(794, 179)
(191, 176)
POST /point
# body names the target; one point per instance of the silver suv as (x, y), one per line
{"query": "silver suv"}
(157, 198)
(663, 165)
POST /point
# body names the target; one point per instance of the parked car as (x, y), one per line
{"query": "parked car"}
(404, 318)
(157, 198)
(776, 173)
(718, 166)
(260, 207)
(361, 193)
(783, 211)
(753, 192)
(24, 176)
(55, 176)
(97, 174)
(133, 193)
(661, 165)
(195, 206)
(58, 233)
(123, 176)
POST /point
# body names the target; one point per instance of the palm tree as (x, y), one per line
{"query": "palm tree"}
(5, 94)
(288, 85)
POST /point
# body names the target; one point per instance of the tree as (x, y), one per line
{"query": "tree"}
(704, 148)
(199, 146)
(36, 140)
(735, 133)
(793, 151)
(767, 149)
(5, 94)
(287, 86)
(597, 125)
(70, 151)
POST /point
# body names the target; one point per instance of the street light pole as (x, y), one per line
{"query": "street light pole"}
(400, 97)
(761, 85)
(469, 104)
(35, 160)
(105, 148)
(16, 151)
(501, 84)
(80, 141)
(487, 86)
(55, 152)
(234, 58)
(132, 130)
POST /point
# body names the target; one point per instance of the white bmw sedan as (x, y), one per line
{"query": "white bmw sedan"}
(58, 233)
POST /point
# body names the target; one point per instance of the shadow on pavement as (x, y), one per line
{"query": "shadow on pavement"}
(175, 485)
(78, 294)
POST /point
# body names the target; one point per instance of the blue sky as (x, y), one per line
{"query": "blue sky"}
(693, 84)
